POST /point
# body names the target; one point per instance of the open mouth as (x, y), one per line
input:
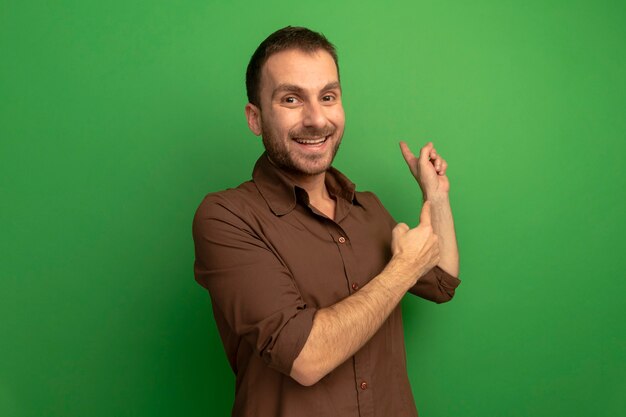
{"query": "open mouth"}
(311, 141)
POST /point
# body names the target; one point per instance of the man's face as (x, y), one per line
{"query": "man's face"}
(301, 115)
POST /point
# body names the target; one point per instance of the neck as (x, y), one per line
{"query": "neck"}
(314, 185)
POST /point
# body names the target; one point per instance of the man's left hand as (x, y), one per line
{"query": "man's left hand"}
(429, 169)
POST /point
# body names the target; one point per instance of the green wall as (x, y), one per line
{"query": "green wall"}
(117, 117)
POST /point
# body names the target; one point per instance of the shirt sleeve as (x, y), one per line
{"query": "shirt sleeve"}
(250, 288)
(436, 285)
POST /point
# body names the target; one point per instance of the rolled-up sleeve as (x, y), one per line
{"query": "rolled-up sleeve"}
(436, 285)
(251, 289)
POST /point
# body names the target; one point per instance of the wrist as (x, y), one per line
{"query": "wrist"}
(405, 270)
(437, 198)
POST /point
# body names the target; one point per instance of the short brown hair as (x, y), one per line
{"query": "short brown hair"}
(290, 37)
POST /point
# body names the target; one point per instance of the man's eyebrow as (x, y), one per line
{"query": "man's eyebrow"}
(292, 88)
(332, 86)
(286, 88)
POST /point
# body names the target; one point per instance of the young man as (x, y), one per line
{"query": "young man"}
(305, 273)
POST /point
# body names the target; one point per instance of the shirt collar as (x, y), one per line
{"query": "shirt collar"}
(280, 192)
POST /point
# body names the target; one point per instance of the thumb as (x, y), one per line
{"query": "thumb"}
(399, 230)
(425, 214)
(406, 153)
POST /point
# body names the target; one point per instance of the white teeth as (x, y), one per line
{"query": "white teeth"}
(310, 141)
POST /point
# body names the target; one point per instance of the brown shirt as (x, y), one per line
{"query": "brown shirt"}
(270, 260)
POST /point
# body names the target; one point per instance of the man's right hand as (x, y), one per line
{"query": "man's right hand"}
(415, 251)
(340, 330)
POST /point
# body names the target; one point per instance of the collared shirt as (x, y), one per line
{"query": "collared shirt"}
(270, 260)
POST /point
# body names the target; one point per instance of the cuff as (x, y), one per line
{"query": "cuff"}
(290, 341)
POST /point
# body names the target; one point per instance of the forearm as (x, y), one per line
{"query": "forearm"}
(443, 225)
(340, 330)
(430, 172)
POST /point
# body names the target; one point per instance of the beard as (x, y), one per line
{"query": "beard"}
(295, 162)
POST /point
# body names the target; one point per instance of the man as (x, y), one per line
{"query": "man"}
(306, 274)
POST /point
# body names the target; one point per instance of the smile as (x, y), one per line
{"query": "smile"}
(313, 141)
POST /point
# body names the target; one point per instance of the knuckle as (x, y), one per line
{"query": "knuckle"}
(400, 227)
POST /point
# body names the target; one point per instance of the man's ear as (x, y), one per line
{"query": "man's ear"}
(253, 115)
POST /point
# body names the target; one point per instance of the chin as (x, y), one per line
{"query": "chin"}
(314, 167)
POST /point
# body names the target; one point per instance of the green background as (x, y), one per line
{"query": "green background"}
(117, 118)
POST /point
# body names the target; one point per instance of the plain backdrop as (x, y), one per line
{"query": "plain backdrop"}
(117, 117)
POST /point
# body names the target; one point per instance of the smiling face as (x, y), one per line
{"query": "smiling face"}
(300, 117)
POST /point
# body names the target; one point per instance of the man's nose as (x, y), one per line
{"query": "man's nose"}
(314, 115)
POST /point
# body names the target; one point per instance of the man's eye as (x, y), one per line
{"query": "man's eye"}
(328, 98)
(291, 100)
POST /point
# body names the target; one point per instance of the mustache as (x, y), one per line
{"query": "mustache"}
(312, 132)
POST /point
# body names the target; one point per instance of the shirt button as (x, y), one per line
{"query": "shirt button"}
(355, 286)
(342, 239)
(363, 385)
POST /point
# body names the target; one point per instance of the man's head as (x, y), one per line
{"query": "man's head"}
(289, 37)
(295, 100)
